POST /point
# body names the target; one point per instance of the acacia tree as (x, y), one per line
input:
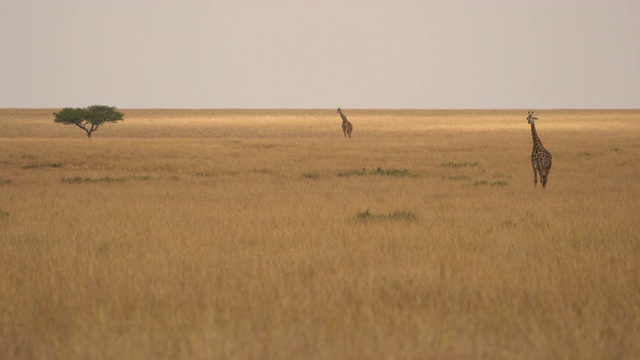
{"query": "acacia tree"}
(88, 119)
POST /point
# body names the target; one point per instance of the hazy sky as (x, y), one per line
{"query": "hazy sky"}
(451, 54)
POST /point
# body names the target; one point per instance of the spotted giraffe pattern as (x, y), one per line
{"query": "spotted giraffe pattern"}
(347, 127)
(540, 157)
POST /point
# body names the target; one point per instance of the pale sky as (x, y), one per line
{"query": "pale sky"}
(442, 54)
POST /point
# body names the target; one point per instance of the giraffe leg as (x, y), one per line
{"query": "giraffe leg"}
(535, 177)
(543, 176)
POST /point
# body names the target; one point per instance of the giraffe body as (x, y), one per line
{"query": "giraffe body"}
(541, 158)
(347, 127)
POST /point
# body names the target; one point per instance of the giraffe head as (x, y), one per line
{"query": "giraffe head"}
(531, 119)
(338, 110)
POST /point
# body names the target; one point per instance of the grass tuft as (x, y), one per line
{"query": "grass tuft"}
(263, 171)
(378, 172)
(402, 215)
(456, 165)
(106, 179)
(353, 173)
(365, 215)
(455, 177)
(313, 176)
(495, 183)
(42, 166)
(393, 216)
(499, 183)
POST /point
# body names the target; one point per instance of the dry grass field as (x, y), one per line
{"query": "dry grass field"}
(220, 234)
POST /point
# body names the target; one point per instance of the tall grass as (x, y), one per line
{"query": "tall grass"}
(206, 241)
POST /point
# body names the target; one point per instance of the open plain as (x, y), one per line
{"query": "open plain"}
(208, 234)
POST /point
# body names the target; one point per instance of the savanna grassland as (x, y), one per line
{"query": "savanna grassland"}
(215, 234)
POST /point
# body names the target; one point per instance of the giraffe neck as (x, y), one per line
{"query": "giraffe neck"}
(344, 118)
(534, 134)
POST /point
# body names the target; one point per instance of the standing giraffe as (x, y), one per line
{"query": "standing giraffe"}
(347, 127)
(540, 157)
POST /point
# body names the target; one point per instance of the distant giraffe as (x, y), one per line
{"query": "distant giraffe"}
(540, 157)
(347, 127)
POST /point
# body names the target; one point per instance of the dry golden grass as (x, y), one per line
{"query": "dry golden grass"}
(195, 234)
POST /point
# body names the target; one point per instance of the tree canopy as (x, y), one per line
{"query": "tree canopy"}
(90, 118)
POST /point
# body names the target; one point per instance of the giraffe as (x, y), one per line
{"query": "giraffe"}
(540, 157)
(347, 127)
